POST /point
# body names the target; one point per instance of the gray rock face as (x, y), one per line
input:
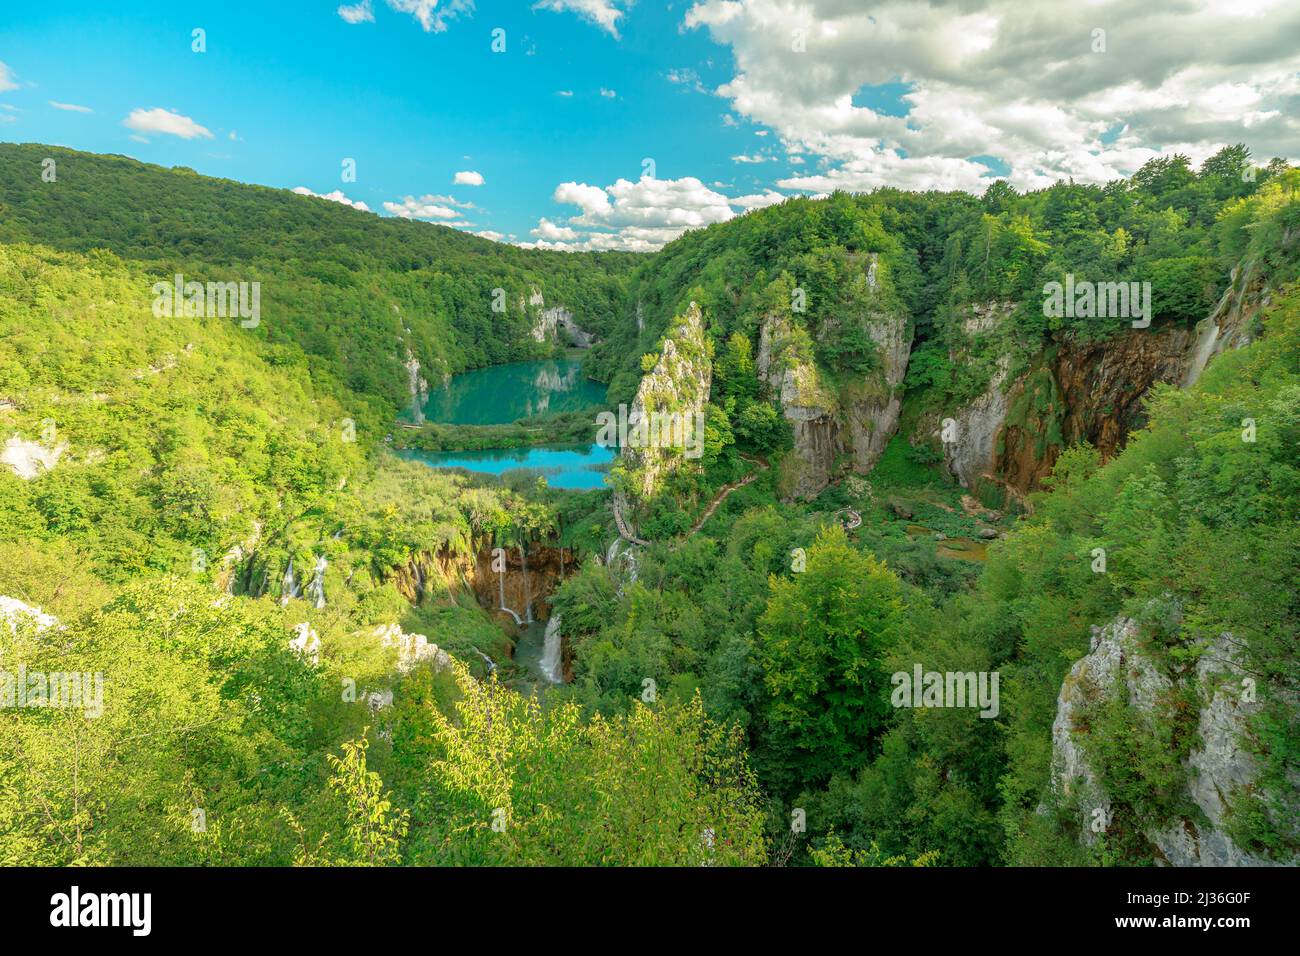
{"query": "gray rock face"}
(550, 323)
(860, 420)
(678, 385)
(872, 420)
(969, 435)
(1216, 768)
(30, 459)
(412, 649)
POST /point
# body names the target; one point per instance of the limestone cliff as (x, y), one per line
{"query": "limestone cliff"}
(1007, 440)
(557, 323)
(855, 418)
(1219, 771)
(666, 415)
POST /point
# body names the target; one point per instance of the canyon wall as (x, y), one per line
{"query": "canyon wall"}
(1003, 443)
(854, 419)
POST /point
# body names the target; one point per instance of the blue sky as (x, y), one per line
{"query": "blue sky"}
(301, 89)
(737, 103)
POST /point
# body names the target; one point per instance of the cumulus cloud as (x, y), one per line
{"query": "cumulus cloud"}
(426, 207)
(639, 216)
(361, 12)
(1031, 83)
(71, 107)
(165, 121)
(603, 13)
(335, 196)
(8, 79)
(467, 177)
(432, 14)
(769, 197)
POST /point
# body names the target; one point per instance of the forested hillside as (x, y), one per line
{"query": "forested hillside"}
(352, 290)
(908, 462)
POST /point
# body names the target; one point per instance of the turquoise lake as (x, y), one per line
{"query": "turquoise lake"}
(502, 394)
(579, 468)
(506, 393)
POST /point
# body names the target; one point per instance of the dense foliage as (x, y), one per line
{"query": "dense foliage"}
(729, 678)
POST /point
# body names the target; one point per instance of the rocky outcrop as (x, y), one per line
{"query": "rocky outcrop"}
(416, 387)
(1218, 769)
(666, 415)
(31, 459)
(969, 436)
(14, 612)
(810, 407)
(871, 410)
(412, 649)
(550, 323)
(1083, 391)
(306, 642)
(855, 420)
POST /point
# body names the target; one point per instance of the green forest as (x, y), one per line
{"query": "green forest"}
(181, 498)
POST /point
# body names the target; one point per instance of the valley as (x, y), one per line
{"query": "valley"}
(382, 518)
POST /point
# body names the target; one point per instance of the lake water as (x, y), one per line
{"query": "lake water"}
(580, 468)
(502, 394)
(506, 393)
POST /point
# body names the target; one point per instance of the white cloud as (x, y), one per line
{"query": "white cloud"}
(467, 178)
(71, 107)
(8, 80)
(426, 207)
(489, 234)
(608, 94)
(742, 158)
(335, 196)
(686, 77)
(603, 13)
(432, 14)
(358, 13)
(564, 92)
(165, 121)
(549, 230)
(769, 197)
(639, 216)
(1013, 79)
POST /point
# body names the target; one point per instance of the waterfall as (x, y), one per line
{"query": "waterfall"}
(501, 589)
(552, 662)
(528, 594)
(316, 589)
(289, 585)
(1207, 336)
(492, 665)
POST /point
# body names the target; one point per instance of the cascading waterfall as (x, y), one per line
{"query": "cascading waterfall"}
(316, 589)
(1207, 337)
(501, 589)
(528, 594)
(289, 588)
(552, 662)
